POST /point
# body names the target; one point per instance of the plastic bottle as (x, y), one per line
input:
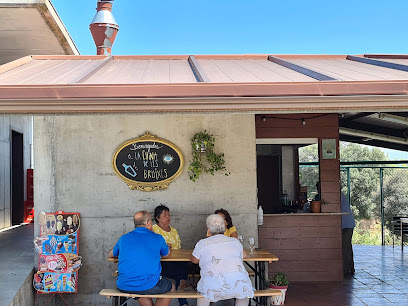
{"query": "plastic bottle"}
(260, 215)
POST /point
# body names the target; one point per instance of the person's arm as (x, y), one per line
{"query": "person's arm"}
(168, 255)
(115, 251)
(164, 248)
(194, 260)
(234, 232)
(245, 254)
(195, 255)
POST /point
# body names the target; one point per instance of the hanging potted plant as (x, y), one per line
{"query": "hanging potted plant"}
(204, 158)
(279, 282)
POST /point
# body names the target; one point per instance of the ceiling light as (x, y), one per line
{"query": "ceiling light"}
(380, 137)
(393, 118)
(303, 122)
(264, 118)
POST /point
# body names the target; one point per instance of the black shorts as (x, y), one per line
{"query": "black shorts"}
(162, 286)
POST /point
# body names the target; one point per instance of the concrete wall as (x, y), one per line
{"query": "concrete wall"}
(26, 294)
(73, 156)
(21, 124)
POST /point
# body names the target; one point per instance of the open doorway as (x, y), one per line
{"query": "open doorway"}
(280, 185)
(17, 178)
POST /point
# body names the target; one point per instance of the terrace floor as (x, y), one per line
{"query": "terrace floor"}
(381, 278)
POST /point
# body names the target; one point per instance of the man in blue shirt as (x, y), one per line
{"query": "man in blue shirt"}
(139, 253)
(347, 225)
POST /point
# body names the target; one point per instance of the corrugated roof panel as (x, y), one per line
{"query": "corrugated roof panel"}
(246, 71)
(395, 61)
(237, 73)
(143, 72)
(386, 73)
(213, 72)
(181, 72)
(347, 70)
(69, 72)
(42, 72)
(323, 66)
(108, 74)
(22, 74)
(403, 62)
(157, 71)
(169, 70)
(286, 74)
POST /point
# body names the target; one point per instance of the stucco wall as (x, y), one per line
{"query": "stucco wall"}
(73, 157)
(21, 124)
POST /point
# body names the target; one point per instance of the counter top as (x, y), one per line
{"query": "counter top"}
(306, 214)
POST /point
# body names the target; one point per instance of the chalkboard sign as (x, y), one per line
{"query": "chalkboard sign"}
(148, 163)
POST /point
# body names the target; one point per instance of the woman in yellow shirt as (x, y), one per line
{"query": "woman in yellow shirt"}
(174, 270)
(230, 229)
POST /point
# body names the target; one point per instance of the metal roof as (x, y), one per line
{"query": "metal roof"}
(223, 69)
(243, 83)
(358, 87)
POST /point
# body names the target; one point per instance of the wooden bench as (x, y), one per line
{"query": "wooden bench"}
(250, 273)
(116, 294)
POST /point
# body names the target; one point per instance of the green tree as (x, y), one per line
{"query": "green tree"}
(364, 182)
(309, 176)
(395, 193)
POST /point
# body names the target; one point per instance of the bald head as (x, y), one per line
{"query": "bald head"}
(142, 218)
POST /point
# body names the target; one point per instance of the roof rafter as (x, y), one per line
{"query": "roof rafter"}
(357, 116)
(377, 63)
(306, 71)
(86, 77)
(197, 70)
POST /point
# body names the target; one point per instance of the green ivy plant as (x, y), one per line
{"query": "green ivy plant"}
(205, 160)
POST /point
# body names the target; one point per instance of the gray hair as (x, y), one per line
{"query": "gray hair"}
(141, 217)
(215, 224)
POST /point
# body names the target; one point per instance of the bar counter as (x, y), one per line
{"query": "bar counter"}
(308, 245)
(307, 214)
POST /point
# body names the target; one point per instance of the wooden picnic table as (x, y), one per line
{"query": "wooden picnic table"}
(256, 262)
(184, 255)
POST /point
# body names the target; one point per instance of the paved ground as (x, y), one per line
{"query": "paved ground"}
(381, 278)
(16, 260)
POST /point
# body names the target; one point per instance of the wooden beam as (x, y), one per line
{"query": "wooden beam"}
(311, 73)
(197, 70)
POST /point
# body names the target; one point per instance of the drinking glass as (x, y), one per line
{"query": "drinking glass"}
(241, 239)
(251, 243)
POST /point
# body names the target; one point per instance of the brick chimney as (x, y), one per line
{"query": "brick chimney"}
(104, 27)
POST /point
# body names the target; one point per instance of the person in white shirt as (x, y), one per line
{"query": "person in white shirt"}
(223, 275)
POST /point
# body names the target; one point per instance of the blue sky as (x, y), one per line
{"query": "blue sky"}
(237, 27)
(252, 27)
